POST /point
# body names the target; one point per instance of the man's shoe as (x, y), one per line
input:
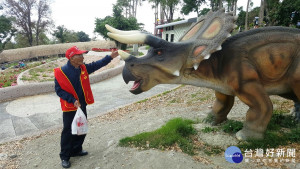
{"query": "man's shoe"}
(81, 153)
(65, 163)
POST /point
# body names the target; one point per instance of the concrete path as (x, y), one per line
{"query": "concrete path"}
(31, 115)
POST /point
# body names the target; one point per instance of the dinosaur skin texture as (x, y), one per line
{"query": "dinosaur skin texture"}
(251, 66)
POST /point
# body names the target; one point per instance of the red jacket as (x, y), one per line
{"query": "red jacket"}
(67, 86)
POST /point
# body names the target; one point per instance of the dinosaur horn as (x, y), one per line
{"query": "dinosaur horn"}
(133, 37)
(138, 38)
(124, 55)
(117, 31)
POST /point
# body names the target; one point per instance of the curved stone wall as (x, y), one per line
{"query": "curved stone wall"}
(49, 50)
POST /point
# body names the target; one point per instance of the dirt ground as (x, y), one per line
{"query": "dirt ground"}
(105, 131)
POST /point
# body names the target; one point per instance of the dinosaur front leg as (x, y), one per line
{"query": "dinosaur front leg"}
(259, 112)
(221, 107)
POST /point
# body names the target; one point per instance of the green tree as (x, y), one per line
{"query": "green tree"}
(191, 6)
(71, 36)
(83, 37)
(241, 18)
(204, 11)
(23, 11)
(284, 12)
(118, 21)
(60, 33)
(216, 4)
(21, 40)
(272, 7)
(232, 6)
(64, 35)
(6, 31)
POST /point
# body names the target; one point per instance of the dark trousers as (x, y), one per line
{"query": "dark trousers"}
(70, 144)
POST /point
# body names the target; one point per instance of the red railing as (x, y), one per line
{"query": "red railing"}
(104, 50)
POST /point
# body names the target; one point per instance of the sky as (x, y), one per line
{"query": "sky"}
(80, 15)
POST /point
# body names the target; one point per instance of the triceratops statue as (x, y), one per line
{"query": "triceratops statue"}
(251, 65)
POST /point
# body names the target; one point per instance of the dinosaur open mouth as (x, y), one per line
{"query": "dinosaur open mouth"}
(136, 85)
(136, 88)
(128, 76)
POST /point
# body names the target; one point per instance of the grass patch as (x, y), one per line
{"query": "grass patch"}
(166, 92)
(142, 101)
(209, 130)
(232, 126)
(199, 96)
(280, 120)
(209, 118)
(175, 100)
(175, 132)
(212, 150)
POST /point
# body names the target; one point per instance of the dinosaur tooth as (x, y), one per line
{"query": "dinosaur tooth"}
(219, 48)
(196, 65)
(228, 35)
(207, 56)
(176, 73)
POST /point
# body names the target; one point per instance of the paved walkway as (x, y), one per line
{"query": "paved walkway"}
(30, 115)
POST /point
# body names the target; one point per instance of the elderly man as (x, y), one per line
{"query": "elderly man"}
(73, 87)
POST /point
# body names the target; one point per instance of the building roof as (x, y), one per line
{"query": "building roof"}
(191, 20)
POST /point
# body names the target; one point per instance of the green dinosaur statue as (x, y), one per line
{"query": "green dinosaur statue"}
(251, 65)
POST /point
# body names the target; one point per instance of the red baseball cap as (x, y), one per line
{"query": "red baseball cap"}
(74, 51)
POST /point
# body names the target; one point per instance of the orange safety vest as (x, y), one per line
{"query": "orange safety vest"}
(67, 86)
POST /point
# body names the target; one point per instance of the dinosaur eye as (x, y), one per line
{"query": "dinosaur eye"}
(159, 52)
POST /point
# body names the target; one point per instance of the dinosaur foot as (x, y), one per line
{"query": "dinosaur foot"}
(218, 121)
(246, 134)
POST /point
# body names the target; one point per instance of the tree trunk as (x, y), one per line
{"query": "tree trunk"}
(261, 13)
(171, 14)
(220, 4)
(246, 20)
(235, 7)
(162, 14)
(212, 4)
(29, 33)
(270, 23)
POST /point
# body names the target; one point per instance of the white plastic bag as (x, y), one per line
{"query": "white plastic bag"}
(79, 123)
